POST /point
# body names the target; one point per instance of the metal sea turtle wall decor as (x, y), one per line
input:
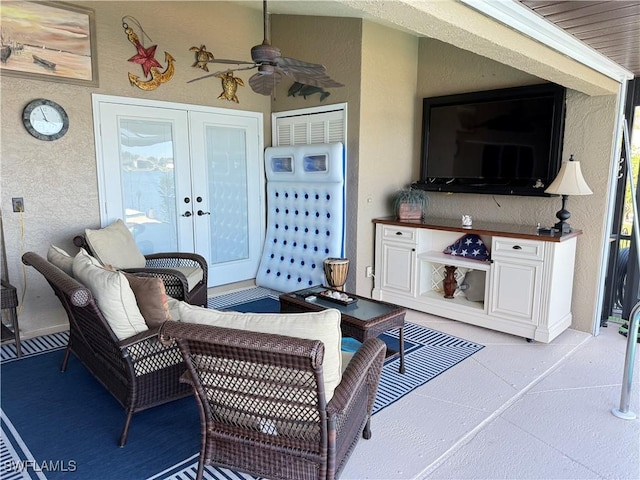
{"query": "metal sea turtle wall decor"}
(230, 86)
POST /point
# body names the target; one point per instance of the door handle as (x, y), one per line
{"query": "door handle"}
(186, 214)
(201, 213)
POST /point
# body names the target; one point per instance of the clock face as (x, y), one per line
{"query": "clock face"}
(45, 120)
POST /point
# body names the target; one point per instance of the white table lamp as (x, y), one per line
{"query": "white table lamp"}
(568, 182)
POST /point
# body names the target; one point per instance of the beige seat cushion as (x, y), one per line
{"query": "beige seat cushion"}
(61, 259)
(114, 245)
(113, 295)
(323, 326)
(192, 274)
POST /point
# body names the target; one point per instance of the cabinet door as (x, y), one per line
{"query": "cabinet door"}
(515, 290)
(398, 267)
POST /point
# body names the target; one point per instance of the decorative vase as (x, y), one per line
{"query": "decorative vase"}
(450, 283)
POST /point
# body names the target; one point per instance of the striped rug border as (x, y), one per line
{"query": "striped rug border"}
(35, 346)
(220, 302)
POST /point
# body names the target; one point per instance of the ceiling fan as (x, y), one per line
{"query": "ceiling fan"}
(272, 66)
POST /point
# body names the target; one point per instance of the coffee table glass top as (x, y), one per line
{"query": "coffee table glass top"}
(364, 309)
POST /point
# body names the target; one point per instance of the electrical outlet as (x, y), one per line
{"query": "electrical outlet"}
(369, 272)
(18, 204)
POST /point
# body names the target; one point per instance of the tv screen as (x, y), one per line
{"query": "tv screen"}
(506, 141)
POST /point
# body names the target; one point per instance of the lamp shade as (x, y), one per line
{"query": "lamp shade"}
(569, 180)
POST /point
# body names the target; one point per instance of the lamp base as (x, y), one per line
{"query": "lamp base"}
(563, 227)
(563, 215)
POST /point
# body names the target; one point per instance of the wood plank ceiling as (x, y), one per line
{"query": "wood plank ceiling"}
(610, 27)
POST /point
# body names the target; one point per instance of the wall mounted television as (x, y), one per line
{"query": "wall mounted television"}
(506, 141)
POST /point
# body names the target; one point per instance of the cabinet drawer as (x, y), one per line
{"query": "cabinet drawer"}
(399, 234)
(517, 248)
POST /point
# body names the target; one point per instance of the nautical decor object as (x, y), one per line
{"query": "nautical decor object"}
(229, 86)
(272, 66)
(301, 90)
(203, 57)
(146, 59)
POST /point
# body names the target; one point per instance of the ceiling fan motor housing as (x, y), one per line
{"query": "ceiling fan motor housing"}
(265, 53)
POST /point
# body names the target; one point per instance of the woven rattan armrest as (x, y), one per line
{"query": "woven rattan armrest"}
(364, 367)
(140, 337)
(187, 259)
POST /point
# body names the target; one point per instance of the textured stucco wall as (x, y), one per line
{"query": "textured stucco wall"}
(388, 134)
(378, 67)
(58, 179)
(340, 51)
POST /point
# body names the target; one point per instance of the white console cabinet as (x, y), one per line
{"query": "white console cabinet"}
(527, 283)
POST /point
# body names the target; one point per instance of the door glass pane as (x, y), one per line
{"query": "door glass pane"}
(148, 183)
(228, 197)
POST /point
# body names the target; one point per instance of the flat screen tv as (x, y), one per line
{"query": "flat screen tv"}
(506, 142)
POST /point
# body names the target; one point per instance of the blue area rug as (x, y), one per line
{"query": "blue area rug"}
(56, 425)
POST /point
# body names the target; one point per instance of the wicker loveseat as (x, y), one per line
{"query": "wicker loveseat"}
(139, 371)
(262, 400)
(185, 275)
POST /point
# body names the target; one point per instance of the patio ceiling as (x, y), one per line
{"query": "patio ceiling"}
(610, 27)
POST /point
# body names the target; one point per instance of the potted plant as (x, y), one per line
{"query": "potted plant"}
(410, 204)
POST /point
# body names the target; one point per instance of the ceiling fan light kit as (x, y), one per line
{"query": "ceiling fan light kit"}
(271, 66)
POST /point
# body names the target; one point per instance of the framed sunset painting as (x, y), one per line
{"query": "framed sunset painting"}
(48, 41)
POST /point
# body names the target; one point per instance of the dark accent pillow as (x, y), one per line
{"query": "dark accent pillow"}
(469, 246)
(151, 297)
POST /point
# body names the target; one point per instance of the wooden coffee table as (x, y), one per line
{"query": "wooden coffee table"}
(361, 320)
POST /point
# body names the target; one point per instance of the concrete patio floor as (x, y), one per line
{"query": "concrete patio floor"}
(514, 410)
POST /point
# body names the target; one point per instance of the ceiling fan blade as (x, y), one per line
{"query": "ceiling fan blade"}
(226, 60)
(264, 84)
(214, 74)
(294, 62)
(315, 79)
(307, 73)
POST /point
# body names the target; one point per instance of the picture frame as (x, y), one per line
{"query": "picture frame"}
(49, 41)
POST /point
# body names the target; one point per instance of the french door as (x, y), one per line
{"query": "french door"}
(184, 178)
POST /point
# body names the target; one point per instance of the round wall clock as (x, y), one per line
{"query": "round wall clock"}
(45, 120)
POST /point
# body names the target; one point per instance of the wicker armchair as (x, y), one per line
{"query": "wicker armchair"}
(165, 266)
(262, 402)
(140, 372)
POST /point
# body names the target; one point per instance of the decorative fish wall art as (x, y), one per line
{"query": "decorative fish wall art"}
(301, 90)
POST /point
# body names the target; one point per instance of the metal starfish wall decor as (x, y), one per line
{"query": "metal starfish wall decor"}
(146, 59)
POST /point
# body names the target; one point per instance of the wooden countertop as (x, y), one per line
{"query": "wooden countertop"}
(480, 228)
